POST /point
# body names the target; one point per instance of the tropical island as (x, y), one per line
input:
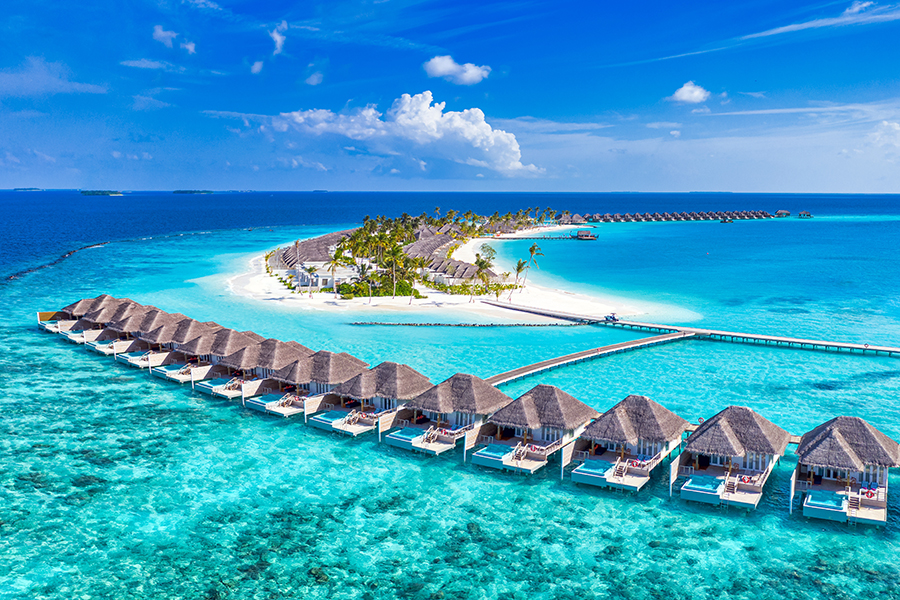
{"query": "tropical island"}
(407, 255)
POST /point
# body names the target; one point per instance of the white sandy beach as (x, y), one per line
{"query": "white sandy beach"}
(257, 284)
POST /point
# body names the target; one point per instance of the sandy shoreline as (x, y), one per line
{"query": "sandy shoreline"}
(255, 283)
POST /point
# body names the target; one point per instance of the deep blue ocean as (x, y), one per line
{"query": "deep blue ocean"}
(113, 484)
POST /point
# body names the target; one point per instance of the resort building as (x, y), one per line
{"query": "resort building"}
(627, 442)
(532, 428)
(305, 261)
(173, 337)
(373, 399)
(212, 349)
(728, 458)
(450, 410)
(842, 471)
(158, 354)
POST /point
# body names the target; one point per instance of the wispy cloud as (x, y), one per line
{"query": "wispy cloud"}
(278, 37)
(754, 94)
(257, 67)
(449, 69)
(146, 63)
(191, 47)
(664, 125)
(162, 36)
(315, 78)
(36, 77)
(535, 125)
(859, 13)
(144, 103)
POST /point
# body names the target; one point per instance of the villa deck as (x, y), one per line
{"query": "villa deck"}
(502, 454)
(413, 437)
(283, 405)
(714, 485)
(630, 473)
(833, 501)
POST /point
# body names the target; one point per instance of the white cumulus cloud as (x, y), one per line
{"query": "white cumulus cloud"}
(449, 69)
(191, 47)
(314, 79)
(887, 134)
(690, 93)
(278, 37)
(415, 126)
(257, 67)
(162, 36)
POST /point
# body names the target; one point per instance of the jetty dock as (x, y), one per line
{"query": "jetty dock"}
(712, 334)
(577, 357)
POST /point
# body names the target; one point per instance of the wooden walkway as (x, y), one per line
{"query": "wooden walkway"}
(577, 357)
(713, 334)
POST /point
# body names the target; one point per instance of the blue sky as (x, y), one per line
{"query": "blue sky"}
(424, 95)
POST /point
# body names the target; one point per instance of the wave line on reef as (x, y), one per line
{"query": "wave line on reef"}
(469, 324)
(24, 272)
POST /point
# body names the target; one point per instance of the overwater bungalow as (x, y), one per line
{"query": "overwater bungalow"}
(373, 399)
(805, 214)
(627, 442)
(842, 471)
(453, 409)
(154, 327)
(782, 213)
(199, 361)
(212, 350)
(172, 336)
(88, 327)
(59, 320)
(313, 377)
(728, 458)
(532, 428)
(256, 364)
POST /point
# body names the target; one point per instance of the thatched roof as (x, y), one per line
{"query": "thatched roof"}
(636, 418)
(220, 343)
(387, 380)
(545, 406)
(190, 329)
(847, 443)
(146, 318)
(110, 310)
(425, 247)
(313, 250)
(303, 349)
(268, 354)
(165, 333)
(86, 305)
(736, 431)
(322, 367)
(461, 393)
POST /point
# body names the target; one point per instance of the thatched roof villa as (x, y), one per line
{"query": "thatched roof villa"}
(728, 458)
(843, 471)
(532, 428)
(448, 411)
(373, 399)
(627, 442)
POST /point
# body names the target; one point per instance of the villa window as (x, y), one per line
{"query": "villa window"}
(463, 419)
(549, 434)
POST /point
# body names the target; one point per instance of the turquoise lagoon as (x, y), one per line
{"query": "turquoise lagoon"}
(118, 485)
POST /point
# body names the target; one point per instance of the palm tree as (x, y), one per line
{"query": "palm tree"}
(335, 261)
(364, 275)
(521, 267)
(310, 271)
(395, 255)
(535, 250)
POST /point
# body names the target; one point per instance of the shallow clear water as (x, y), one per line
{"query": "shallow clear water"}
(115, 484)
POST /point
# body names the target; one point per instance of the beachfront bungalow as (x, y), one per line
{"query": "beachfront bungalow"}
(256, 364)
(313, 377)
(455, 408)
(842, 471)
(373, 399)
(532, 428)
(627, 442)
(729, 458)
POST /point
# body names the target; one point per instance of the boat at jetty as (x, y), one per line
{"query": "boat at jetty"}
(841, 475)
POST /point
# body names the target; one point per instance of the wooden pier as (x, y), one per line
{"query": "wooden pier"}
(577, 357)
(713, 334)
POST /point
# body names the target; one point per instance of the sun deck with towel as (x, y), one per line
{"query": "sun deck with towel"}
(532, 428)
(842, 472)
(728, 459)
(633, 438)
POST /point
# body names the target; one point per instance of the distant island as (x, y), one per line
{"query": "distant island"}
(100, 193)
(192, 192)
(27, 190)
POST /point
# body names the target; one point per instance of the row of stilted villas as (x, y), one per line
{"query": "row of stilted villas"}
(842, 466)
